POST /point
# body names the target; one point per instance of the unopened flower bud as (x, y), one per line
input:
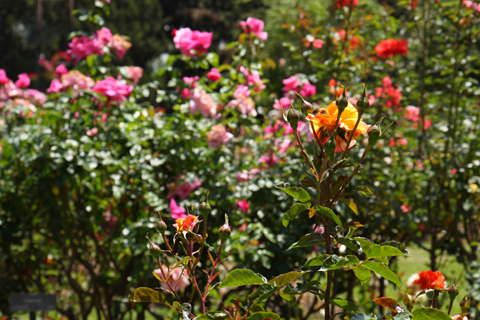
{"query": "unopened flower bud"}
(374, 135)
(205, 207)
(363, 103)
(453, 291)
(293, 117)
(224, 231)
(342, 101)
(307, 107)
(161, 227)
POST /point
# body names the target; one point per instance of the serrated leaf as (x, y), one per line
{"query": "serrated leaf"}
(382, 270)
(350, 204)
(363, 274)
(335, 262)
(264, 315)
(144, 294)
(286, 278)
(376, 251)
(397, 245)
(344, 304)
(351, 244)
(298, 193)
(317, 261)
(241, 277)
(430, 314)
(329, 213)
(293, 212)
(263, 292)
(310, 239)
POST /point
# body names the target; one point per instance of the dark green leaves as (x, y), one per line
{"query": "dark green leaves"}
(144, 294)
(299, 194)
(293, 212)
(363, 274)
(310, 239)
(430, 314)
(241, 277)
(382, 270)
(329, 213)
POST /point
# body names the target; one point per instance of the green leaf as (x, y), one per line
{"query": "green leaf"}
(310, 239)
(365, 243)
(362, 316)
(264, 315)
(405, 315)
(351, 244)
(286, 278)
(350, 204)
(364, 190)
(335, 262)
(263, 292)
(430, 314)
(329, 213)
(397, 245)
(299, 194)
(293, 212)
(317, 262)
(382, 270)
(363, 274)
(241, 277)
(344, 304)
(144, 294)
(376, 250)
(213, 315)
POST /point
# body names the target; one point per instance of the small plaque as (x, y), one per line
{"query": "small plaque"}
(32, 302)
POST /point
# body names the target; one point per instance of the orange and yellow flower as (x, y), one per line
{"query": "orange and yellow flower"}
(325, 120)
(186, 224)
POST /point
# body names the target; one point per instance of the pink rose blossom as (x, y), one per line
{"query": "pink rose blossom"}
(419, 164)
(120, 45)
(185, 94)
(105, 36)
(9, 90)
(298, 83)
(182, 190)
(92, 132)
(253, 79)
(190, 79)
(177, 211)
(192, 43)
(285, 145)
(253, 25)
(282, 103)
(76, 80)
(246, 175)
(308, 90)
(403, 141)
(218, 136)
(60, 70)
(55, 86)
(244, 105)
(202, 101)
(3, 77)
(23, 80)
(318, 44)
(405, 208)
(35, 96)
(104, 117)
(413, 113)
(241, 90)
(113, 89)
(177, 279)
(243, 205)
(134, 73)
(81, 47)
(320, 228)
(270, 160)
(214, 75)
(453, 171)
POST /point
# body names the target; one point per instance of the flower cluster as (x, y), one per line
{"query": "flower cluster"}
(255, 26)
(113, 90)
(389, 93)
(298, 83)
(391, 47)
(218, 136)
(413, 114)
(73, 79)
(191, 43)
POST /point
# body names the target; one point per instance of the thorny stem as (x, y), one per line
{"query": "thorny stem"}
(215, 264)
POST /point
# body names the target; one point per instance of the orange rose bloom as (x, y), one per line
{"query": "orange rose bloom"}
(326, 119)
(186, 224)
(430, 280)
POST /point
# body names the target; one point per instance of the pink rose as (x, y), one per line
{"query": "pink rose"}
(246, 175)
(112, 89)
(104, 35)
(120, 45)
(177, 278)
(23, 81)
(282, 103)
(182, 190)
(3, 77)
(192, 43)
(76, 80)
(55, 86)
(253, 25)
(405, 208)
(60, 70)
(253, 79)
(134, 73)
(190, 79)
(318, 44)
(244, 105)
(214, 75)
(270, 160)
(35, 96)
(218, 136)
(243, 205)
(92, 132)
(82, 46)
(177, 211)
(241, 90)
(308, 90)
(202, 101)
(413, 113)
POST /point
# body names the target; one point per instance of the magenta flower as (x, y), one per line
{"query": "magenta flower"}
(254, 25)
(308, 90)
(3, 77)
(218, 136)
(60, 70)
(214, 75)
(298, 83)
(243, 205)
(82, 46)
(105, 36)
(192, 43)
(253, 79)
(177, 211)
(23, 81)
(112, 89)
(282, 103)
(270, 160)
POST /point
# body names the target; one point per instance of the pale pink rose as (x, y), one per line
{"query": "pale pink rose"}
(270, 160)
(113, 89)
(104, 117)
(243, 205)
(246, 175)
(23, 80)
(253, 25)
(190, 79)
(9, 90)
(405, 208)
(285, 144)
(244, 105)
(3, 77)
(308, 90)
(202, 101)
(282, 103)
(35, 96)
(218, 136)
(320, 228)
(182, 190)
(371, 99)
(318, 44)
(413, 113)
(92, 132)
(60, 70)
(105, 36)
(419, 164)
(120, 45)
(192, 43)
(82, 46)
(134, 74)
(304, 130)
(177, 279)
(76, 80)
(177, 211)
(241, 90)
(253, 79)
(214, 75)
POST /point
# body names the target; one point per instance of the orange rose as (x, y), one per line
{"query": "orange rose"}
(186, 224)
(325, 120)
(430, 280)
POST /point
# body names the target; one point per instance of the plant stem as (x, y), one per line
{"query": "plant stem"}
(329, 273)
